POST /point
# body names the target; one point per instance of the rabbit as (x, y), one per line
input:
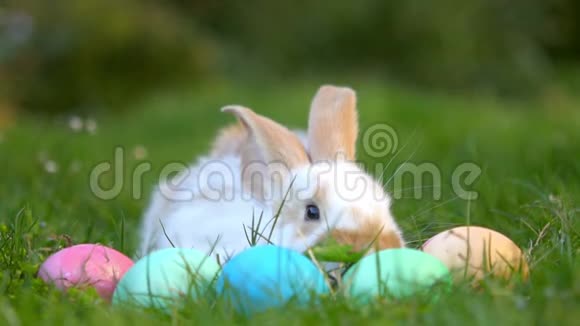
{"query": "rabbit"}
(259, 168)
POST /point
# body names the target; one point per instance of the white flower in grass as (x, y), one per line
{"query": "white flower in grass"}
(91, 126)
(75, 123)
(50, 166)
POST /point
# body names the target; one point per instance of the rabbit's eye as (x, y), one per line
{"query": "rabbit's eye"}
(312, 213)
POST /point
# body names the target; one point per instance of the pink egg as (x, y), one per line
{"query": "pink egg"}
(86, 265)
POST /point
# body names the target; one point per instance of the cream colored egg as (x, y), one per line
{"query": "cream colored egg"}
(477, 251)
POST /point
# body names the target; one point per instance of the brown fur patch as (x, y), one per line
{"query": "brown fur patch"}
(333, 123)
(368, 236)
(229, 141)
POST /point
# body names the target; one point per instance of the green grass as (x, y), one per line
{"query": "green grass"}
(529, 189)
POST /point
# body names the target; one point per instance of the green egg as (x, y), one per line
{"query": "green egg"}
(166, 277)
(396, 274)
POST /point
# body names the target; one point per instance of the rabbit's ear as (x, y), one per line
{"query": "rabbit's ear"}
(275, 142)
(271, 151)
(333, 124)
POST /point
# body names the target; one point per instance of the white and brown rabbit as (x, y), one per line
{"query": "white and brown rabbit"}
(258, 167)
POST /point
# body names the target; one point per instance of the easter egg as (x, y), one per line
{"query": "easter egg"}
(86, 265)
(165, 278)
(395, 274)
(475, 252)
(266, 276)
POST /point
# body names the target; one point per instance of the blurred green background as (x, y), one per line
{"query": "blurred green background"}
(95, 55)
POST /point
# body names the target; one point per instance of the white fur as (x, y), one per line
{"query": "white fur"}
(193, 218)
(196, 211)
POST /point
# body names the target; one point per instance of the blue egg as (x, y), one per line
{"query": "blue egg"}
(267, 276)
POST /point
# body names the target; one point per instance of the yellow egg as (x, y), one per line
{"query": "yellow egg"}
(476, 252)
